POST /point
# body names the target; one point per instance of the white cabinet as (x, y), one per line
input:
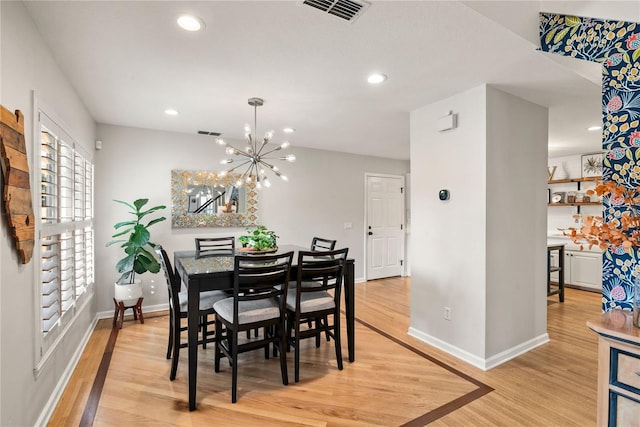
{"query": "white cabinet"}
(586, 269)
(581, 268)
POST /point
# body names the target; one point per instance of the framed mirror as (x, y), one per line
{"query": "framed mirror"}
(206, 199)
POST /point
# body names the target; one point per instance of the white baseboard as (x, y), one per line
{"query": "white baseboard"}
(55, 396)
(478, 362)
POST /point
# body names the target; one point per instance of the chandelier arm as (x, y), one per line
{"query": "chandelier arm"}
(269, 152)
(238, 166)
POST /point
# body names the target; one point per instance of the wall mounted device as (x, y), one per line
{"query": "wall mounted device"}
(443, 195)
(450, 121)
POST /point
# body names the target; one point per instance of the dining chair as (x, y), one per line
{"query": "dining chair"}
(320, 244)
(207, 246)
(259, 286)
(178, 311)
(318, 303)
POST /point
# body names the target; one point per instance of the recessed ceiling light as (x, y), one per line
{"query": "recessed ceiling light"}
(190, 23)
(171, 112)
(288, 130)
(593, 128)
(376, 78)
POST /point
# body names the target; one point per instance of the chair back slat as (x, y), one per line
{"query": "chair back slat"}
(173, 287)
(320, 244)
(209, 246)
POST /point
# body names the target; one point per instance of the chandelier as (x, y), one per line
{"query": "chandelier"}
(255, 156)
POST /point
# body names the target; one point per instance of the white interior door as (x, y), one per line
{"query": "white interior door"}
(385, 226)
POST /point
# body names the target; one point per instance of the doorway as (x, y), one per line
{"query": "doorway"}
(384, 225)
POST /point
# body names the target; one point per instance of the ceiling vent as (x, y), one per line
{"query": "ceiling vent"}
(206, 132)
(348, 10)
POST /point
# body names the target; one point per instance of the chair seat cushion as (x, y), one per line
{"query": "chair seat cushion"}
(207, 299)
(248, 311)
(310, 301)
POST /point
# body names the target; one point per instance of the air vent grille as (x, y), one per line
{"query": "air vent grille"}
(349, 10)
(206, 132)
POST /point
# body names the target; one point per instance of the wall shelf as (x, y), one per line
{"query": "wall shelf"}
(575, 204)
(568, 180)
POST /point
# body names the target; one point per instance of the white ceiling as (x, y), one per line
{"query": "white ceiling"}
(129, 61)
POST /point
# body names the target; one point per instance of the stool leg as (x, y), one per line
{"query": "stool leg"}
(138, 308)
(121, 309)
(115, 313)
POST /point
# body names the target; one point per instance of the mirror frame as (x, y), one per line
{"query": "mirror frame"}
(180, 218)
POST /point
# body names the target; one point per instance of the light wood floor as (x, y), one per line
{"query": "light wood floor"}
(396, 380)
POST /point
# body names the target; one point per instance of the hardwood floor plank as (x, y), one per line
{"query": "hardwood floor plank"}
(396, 379)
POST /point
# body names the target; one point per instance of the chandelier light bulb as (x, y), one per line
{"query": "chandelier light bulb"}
(290, 158)
(239, 183)
(221, 141)
(223, 173)
(285, 144)
(284, 178)
(230, 150)
(267, 183)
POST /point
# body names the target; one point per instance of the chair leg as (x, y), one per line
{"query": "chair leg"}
(326, 333)
(233, 336)
(176, 349)
(283, 354)
(318, 325)
(216, 366)
(171, 332)
(205, 318)
(336, 338)
(296, 348)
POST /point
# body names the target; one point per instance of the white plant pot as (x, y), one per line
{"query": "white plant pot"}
(128, 293)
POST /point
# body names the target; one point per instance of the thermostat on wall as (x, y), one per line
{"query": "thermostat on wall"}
(443, 194)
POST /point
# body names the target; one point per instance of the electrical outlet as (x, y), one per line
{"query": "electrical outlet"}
(447, 313)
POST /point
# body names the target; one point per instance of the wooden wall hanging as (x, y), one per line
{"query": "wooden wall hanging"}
(17, 191)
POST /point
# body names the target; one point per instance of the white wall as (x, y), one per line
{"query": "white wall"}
(325, 190)
(516, 224)
(470, 246)
(27, 65)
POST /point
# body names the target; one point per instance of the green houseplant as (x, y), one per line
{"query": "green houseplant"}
(139, 257)
(259, 239)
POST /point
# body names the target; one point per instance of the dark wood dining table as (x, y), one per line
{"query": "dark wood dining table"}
(216, 273)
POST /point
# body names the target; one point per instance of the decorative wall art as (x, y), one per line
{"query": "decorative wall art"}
(616, 45)
(591, 165)
(17, 191)
(209, 199)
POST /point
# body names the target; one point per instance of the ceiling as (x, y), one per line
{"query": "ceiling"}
(129, 61)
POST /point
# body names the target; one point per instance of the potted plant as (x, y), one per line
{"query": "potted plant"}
(259, 240)
(139, 257)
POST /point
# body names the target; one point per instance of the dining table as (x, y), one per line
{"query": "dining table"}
(216, 273)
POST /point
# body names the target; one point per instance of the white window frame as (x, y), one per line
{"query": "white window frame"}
(77, 226)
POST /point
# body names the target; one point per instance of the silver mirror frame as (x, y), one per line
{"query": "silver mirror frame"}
(180, 218)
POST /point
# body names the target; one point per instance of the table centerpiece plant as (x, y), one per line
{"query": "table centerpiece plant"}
(259, 239)
(138, 248)
(617, 232)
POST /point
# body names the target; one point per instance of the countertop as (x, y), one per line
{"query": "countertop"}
(617, 324)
